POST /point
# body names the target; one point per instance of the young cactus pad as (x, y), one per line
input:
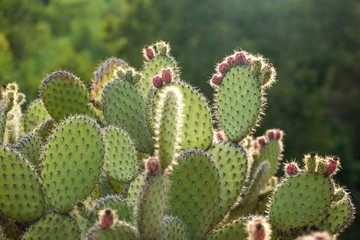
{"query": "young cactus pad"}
(35, 115)
(72, 162)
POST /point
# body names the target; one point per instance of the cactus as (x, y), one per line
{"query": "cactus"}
(140, 158)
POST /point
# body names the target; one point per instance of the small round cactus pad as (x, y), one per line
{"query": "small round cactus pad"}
(72, 162)
(21, 197)
(239, 102)
(300, 200)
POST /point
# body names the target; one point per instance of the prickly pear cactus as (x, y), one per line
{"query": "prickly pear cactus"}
(140, 157)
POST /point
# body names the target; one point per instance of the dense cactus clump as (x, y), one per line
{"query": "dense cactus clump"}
(142, 155)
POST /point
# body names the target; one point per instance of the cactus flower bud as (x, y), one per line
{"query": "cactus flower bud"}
(331, 167)
(153, 165)
(291, 169)
(230, 61)
(107, 218)
(271, 134)
(278, 135)
(149, 52)
(240, 58)
(216, 80)
(262, 141)
(157, 82)
(249, 61)
(223, 68)
(166, 76)
(258, 229)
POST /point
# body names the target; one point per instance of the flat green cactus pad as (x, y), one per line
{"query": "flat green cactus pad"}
(120, 155)
(72, 162)
(53, 226)
(340, 215)
(239, 95)
(135, 188)
(64, 95)
(120, 230)
(105, 73)
(231, 161)
(196, 131)
(153, 68)
(236, 229)
(151, 205)
(194, 191)
(30, 146)
(21, 197)
(300, 200)
(125, 108)
(121, 207)
(35, 115)
(173, 228)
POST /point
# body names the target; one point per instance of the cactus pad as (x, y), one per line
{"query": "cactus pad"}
(239, 95)
(125, 108)
(236, 229)
(105, 73)
(232, 163)
(134, 189)
(30, 146)
(64, 95)
(196, 130)
(35, 115)
(45, 129)
(194, 191)
(122, 208)
(120, 155)
(21, 197)
(120, 230)
(53, 226)
(300, 200)
(72, 162)
(173, 228)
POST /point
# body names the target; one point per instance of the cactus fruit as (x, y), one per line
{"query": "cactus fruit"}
(21, 197)
(35, 115)
(140, 158)
(124, 107)
(72, 161)
(64, 95)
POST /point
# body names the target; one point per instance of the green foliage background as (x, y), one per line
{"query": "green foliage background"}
(314, 44)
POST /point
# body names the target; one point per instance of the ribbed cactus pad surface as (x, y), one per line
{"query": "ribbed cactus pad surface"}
(30, 146)
(21, 197)
(340, 215)
(53, 226)
(124, 107)
(72, 162)
(194, 191)
(105, 73)
(153, 68)
(120, 155)
(121, 230)
(236, 229)
(300, 200)
(239, 102)
(173, 228)
(151, 205)
(231, 161)
(64, 95)
(35, 115)
(196, 130)
(121, 207)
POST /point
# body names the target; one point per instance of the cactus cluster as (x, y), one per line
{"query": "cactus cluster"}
(143, 156)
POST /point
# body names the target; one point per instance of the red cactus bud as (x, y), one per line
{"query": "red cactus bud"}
(166, 76)
(258, 230)
(216, 80)
(262, 141)
(271, 135)
(157, 82)
(256, 145)
(278, 135)
(249, 61)
(223, 68)
(230, 61)
(240, 58)
(331, 167)
(149, 53)
(107, 219)
(153, 165)
(291, 169)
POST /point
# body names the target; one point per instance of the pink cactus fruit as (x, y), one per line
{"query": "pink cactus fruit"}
(331, 166)
(216, 80)
(230, 61)
(166, 76)
(107, 218)
(262, 141)
(223, 68)
(153, 165)
(291, 169)
(149, 52)
(240, 58)
(258, 229)
(157, 82)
